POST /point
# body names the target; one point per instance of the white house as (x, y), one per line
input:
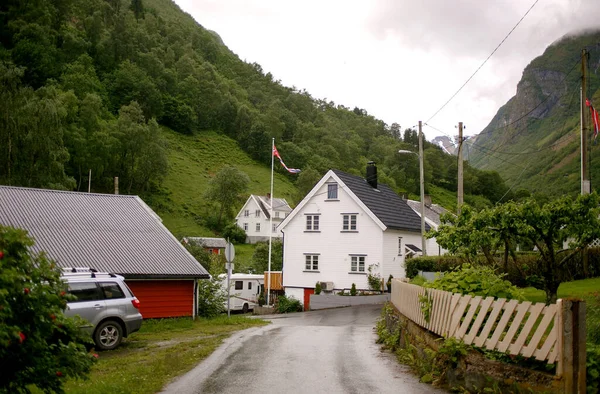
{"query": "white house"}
(432, 218)
(344, 225)
(254, 217)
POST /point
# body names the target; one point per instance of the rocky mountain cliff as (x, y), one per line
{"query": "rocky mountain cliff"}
(534, 139)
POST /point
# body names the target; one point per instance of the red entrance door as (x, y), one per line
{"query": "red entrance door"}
(307, 293)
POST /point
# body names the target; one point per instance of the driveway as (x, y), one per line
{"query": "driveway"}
(327, 351)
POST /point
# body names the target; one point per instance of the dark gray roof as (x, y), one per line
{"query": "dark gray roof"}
(114, 233)
(208, 242)
(414, 248)
(392, 210)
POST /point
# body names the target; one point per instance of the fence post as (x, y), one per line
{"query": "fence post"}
(572, 353)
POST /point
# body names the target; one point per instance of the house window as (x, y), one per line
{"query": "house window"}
(399, 246)
(249, 285)
(277, 214)
(312, 262)
(349, 222)
(274, 227)
(357, 263)
(245, 226)
(246, 213)
(332, 191)
(312, 222)
(239, 285)
(258, 227)
(257, 213)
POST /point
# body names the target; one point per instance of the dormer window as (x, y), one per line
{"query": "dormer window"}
(332, 191)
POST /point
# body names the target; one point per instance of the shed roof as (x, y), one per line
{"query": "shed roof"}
(388, 206)
(114, 233)
(433, 212)
(205, 242)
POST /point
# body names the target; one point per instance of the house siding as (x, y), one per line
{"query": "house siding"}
(253, 236)
(333, 246)
(393, 263)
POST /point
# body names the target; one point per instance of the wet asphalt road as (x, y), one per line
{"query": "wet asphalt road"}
(329, 351)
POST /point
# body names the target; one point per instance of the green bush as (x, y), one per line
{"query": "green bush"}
(39, 345)
(288, 304)
(431, 264)
(212, 297)
(374, 278)
(418, 280)
(593, 368)
(318, 288)
(235, 233)
(353, 289)
(476, 281)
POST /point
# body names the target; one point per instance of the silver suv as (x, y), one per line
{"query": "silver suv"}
(106, 302)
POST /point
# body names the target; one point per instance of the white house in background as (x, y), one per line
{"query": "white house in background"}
(432, 218)
(254, 217)
(344, 225)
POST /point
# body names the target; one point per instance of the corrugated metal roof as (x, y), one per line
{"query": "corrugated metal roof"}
(114, 233)
(392, 210)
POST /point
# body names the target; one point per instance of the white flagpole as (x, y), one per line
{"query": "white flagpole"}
(270, 223)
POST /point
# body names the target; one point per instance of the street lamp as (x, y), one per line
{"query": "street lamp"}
(422, 188)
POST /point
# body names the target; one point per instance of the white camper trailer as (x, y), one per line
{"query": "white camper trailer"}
(244, 291)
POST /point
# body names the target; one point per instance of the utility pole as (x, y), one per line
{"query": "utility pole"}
(460, 168)
(585, 175)
(422, 182)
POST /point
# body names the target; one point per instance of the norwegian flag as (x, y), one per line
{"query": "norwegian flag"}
(595, 118)
(290, 170)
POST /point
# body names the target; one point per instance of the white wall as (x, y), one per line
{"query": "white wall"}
(333, 246)
(252, 220)
(392, 262)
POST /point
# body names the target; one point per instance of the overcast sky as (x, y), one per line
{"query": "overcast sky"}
(400, 60)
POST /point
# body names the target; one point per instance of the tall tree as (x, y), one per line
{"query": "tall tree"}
(225, 189)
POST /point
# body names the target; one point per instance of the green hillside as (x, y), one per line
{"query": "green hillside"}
(136, 89)
(534, 139)
(193, 160)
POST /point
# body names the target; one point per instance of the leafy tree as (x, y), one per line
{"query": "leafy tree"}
(225, 189)
(39, 345)
(545, 225)
(235, 233)
(260, 257)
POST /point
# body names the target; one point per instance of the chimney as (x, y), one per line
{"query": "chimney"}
(372, 174)
(427, 199)
(116, 185)
(269, 195)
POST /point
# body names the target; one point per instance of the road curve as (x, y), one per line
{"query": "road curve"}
(330, 351)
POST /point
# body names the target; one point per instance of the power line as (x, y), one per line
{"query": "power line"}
(482, 64)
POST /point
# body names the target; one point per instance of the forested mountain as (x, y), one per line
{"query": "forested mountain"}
(94, 85)
(534, 139)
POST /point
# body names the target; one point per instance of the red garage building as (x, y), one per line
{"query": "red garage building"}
(112, 233)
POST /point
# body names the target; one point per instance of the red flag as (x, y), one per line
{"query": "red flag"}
(595, 118)
(290, 170)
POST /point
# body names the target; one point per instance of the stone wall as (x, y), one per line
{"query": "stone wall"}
(474, 372)
(326, 301)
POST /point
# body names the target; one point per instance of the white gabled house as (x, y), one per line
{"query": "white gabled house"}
(254, 217)
(433, 212)
(344, 225)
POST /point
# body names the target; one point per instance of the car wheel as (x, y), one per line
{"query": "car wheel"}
(108, 335)
(245, 308)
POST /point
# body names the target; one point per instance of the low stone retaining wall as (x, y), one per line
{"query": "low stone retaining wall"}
(325, 301)
(474, 372)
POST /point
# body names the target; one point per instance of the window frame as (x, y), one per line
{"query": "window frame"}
(349, 220)
(332, 188)
(246, 213)
(257, 227)
(312, 223)
(257, 213)
(400, 246)
(311, 259)
(235, 285)
(355, 263)
(245, 227)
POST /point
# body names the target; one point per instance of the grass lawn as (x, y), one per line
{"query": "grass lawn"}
(160, 351)
(580, 288)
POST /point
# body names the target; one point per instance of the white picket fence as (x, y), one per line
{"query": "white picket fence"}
(526, 329)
